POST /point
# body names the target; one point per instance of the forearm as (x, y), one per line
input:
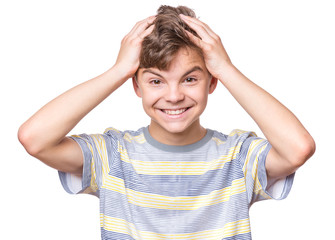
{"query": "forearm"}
(61, 115)
(291, 143)
(279, 125)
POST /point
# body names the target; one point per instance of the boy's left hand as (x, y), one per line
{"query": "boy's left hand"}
(215, 55)
(291, 144)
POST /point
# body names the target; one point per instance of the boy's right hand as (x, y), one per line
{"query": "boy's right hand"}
(127, 61)
(44, 134)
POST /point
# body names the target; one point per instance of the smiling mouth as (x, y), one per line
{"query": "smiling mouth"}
(174, 112)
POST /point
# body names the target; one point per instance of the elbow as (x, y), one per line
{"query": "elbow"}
(26, 138)
(305, 150)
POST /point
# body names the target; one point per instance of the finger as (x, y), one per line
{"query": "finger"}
(138, 28)
(142, 25)
(146, 32)
(201, 28)
(197, 41)
(197, 21)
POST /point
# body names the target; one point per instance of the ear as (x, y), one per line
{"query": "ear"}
(136, 87)
(213, 84)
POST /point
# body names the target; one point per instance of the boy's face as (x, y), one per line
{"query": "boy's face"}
(174, 99)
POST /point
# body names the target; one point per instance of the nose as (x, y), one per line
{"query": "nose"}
(174, 94)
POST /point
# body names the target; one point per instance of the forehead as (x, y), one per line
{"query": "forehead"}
(187, 56)
(185, 60)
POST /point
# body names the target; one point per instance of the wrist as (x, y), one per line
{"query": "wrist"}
(123, 71)
(110, 79)
(226, 72)
(118, 74)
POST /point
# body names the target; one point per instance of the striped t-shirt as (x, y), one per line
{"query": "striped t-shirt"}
(149, 190)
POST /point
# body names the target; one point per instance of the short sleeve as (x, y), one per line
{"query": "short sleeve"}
(95, 166)
(252, 157)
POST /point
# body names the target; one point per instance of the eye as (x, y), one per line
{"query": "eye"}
(155, 82)
(190, 80)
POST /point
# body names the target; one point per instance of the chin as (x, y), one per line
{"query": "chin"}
(177, 128)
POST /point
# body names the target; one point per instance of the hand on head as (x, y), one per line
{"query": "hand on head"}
(215, 55)
(128, 59)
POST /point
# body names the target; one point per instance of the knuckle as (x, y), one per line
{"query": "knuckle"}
(208, 47)
(124, 39)
(135, 41)
(217, 38)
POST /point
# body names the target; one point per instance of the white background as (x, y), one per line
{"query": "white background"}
(287, 47)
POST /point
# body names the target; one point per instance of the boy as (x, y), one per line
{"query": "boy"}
(173, 179)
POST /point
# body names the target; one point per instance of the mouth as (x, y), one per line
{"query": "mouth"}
(174, 112)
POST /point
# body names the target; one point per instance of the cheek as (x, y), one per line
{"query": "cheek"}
(149, 98)
(199, 95)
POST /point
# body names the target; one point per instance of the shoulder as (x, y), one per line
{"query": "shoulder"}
(109, 136)
(239, 143)
(235, 137)
(126, 135)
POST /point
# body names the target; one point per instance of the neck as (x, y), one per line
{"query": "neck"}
(190, 135)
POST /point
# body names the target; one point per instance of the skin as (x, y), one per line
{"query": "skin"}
(291, 144)
(59, 116)
(175, 99)
(163, 93)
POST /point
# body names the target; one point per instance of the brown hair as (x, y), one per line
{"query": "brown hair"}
(167, 38)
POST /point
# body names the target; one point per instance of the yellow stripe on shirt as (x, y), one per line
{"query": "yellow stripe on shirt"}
(175, 203)
(251, 149)
(258, 189)
(177, 167)
(122, 226)
(139, 138)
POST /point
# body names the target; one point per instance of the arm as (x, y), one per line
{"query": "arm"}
(291, 144)
(44, 134)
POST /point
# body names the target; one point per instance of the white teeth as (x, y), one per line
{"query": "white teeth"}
(175, 112)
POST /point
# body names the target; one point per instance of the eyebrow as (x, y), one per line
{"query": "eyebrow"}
(193, 69)
(152, 72)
